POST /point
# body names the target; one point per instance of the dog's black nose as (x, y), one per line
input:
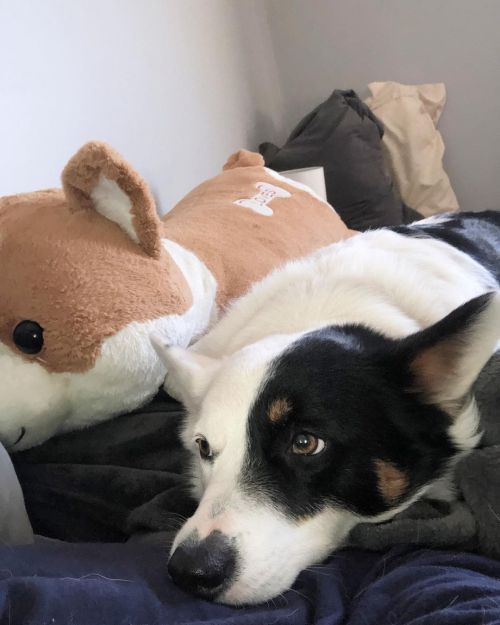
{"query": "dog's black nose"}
(203, 567)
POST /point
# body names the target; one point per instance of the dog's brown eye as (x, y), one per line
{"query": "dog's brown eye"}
(204, 447)
(306, 444)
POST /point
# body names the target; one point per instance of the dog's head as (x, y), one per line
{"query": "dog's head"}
(295, 439)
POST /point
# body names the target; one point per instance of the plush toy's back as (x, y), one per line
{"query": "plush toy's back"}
(250, 219)
(88, 273)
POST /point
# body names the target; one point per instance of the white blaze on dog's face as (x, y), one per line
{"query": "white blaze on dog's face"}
(271, 546)
(297, 438)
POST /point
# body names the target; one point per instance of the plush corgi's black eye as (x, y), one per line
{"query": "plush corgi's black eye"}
(28, 337)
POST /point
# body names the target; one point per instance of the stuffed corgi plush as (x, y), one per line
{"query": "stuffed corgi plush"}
(88, 272)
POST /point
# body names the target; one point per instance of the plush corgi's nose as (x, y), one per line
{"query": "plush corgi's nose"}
(203, 567)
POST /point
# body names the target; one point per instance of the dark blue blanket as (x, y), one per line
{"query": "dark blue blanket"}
(113, 584)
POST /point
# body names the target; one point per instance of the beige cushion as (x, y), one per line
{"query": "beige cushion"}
(413, 146)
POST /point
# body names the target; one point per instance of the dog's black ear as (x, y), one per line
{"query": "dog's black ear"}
(445, 359)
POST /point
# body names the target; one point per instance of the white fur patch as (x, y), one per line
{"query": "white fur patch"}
(114, 204)
(37, 403)
(203, 285)
(465, 432)
(434, 220)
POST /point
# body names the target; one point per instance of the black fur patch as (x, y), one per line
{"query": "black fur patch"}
(347, 387)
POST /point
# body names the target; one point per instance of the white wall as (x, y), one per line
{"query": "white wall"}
(325, 44)
(175, 85)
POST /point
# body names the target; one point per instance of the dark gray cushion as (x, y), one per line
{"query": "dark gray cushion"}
(109, 482)
(344, 137)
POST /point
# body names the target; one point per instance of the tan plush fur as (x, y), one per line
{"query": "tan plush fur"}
(79, 276)
(238, 245)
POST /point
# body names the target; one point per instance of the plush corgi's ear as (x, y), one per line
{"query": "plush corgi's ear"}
(445, 360)
(97, 178)
(244, 158)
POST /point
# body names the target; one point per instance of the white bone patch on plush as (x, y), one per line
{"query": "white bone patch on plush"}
(114, 204)
(259, 202)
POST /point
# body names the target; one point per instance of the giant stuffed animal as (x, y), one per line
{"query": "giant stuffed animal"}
(88, 272)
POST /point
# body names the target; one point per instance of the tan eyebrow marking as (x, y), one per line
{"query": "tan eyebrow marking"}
(278, 409)
(392, 482)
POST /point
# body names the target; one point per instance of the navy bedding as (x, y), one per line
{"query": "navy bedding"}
(124, 479)
(117, 584)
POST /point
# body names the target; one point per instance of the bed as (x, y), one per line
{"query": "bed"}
(106, 502)
(108, 584)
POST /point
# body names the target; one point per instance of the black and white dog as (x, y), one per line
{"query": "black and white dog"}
(338, 390)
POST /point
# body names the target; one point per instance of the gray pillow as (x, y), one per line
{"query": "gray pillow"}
(344, 137)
